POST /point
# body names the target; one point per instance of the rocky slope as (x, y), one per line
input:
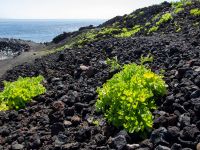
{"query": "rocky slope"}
(11, 47)
(65, 117)
(14, 52)
(166, 18)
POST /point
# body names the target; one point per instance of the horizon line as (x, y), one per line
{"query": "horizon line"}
(54, 18)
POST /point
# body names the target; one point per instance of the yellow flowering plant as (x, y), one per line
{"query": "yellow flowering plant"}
(16, 94)
(129, 96)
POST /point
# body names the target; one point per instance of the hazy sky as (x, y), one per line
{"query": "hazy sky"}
(69, 9)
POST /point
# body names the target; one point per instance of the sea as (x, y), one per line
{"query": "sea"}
(41, 31)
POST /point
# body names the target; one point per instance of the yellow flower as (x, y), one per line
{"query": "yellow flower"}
(148, 75)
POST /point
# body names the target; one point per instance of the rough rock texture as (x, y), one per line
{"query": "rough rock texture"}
(64, 117)
(12, 47)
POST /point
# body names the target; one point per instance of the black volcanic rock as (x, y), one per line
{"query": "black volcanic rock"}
(12, 47)
(65, 117)
(61, 37)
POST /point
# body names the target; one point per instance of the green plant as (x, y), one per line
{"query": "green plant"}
(96, 122)
(131, 16)
(155, 17)
(128, 97)
(178, 30)
(16, 94)
(116, 24)
(165, 18)
(177, 26)
(195, 12)
(108, 31)
(127, 33)
(181, 3)
(178, 10)
(113, 63)
(147, 24)
(87, 37)
(162, 71)
(141, 13)
(146, 59)
(177, 4)
(96, 34)
(153, 29)
(188, 3)
(196, 24)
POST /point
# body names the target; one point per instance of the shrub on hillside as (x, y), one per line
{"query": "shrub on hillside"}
(113, 63)
(165, 18)
(195, 12)
(131, 32)
(129, 96)
(178, 10)
(16, 94)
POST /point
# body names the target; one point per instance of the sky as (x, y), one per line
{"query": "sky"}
(69, 9)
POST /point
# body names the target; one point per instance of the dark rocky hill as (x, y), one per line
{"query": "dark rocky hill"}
(12, 47)
(15, 51)
(72, 87)
(179, 17)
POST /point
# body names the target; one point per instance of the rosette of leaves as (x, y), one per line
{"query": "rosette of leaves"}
(16, 94)
(128, 98)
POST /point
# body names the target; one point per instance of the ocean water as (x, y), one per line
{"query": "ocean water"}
(41, 30)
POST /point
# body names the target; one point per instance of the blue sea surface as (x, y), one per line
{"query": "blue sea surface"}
(40, 30)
